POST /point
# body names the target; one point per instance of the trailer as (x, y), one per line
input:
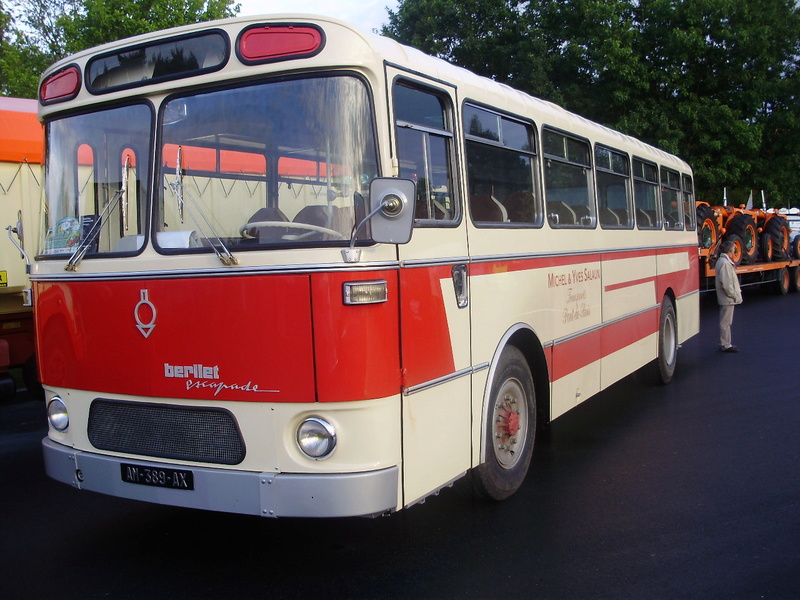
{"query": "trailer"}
(765, 250)
(21, 146)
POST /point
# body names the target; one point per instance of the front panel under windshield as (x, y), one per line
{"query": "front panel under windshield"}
(275, 164)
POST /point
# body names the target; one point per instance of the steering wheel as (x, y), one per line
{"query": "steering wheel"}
(290, 225)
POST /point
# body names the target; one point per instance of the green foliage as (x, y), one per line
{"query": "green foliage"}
(97, 22)
(714, 81)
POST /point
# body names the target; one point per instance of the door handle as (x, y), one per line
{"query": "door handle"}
(460, 285)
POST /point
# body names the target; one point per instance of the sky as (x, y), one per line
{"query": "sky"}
(366, 14)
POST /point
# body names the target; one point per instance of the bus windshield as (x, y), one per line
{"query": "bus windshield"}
(96, 181)
(270, 164)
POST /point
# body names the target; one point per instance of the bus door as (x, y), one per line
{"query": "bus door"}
(434, 300)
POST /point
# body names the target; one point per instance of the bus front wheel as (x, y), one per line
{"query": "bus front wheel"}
(510, 429)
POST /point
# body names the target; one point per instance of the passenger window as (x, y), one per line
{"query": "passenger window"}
(567, 179)
(645, 194)
(613, 188)
(671, 199)
(424, 151)
(500, 165)
(689, 210)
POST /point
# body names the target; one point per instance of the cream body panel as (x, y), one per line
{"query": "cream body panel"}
(368, 432)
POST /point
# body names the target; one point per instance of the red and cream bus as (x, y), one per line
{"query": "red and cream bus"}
(292, 269)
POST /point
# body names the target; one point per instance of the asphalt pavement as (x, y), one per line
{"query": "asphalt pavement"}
(690, 490)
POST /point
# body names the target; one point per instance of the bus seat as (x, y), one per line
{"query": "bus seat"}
(266, 234)
(486, 209)
(330, 217)
(608, 218)
(520, 207)
(344, 220)
(622, 216)
(559, 213)
(642, 220)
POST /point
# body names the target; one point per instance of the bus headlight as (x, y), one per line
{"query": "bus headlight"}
(316, 438)
(57, 414)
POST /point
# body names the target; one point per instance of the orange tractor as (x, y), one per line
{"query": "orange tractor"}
(758, 235)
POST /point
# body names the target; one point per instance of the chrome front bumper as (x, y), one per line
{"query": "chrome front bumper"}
(226, 490)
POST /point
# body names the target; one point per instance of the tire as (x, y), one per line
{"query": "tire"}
(667, 359)
(738, 249)
(794, 279)
(744, 226)
(778, 229)
(510, 428)
(766, 248)
(796, 246)
(707, 227)
(783, 282)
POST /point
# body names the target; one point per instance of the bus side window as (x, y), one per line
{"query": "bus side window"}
(425, 151)
(671, 199)
(645, 194)
(501, 156)
(689, 210)
(568, 180)
(613, 188)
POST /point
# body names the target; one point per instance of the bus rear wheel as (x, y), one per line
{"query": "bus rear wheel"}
(667, 343)
(510, 428)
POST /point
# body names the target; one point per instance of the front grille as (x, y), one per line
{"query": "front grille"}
(209, 435)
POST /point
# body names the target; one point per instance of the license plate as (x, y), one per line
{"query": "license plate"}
(175, 479)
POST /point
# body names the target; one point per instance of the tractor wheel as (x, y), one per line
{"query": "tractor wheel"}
(796, 246)
(744, 226)
(707, 227)
(766, 249)
(738, 249)
(778, 229)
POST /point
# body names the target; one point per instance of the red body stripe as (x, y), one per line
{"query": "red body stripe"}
(581, 351)
(427, 348)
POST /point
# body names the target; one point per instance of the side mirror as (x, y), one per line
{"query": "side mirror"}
(391, 213)
(391, 201)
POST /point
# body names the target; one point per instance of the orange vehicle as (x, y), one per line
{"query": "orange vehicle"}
(764, 252)
(21, 145)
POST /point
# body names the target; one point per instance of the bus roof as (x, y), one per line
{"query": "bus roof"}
(389, 51)
(21, 136)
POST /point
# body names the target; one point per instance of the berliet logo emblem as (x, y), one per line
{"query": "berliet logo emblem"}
(145, 310)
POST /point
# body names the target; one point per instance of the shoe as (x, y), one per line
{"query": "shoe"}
(729, 349)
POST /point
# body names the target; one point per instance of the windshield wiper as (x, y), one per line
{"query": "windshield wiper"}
(194, 210)
(97, 226)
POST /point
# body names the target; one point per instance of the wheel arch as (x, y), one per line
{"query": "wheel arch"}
(524, 338)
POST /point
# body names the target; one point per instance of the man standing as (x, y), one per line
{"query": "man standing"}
(729, 294)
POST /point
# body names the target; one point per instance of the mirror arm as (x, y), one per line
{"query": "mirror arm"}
(353, 254)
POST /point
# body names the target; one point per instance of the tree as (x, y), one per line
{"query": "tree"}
(95, 22)
(711, 80)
